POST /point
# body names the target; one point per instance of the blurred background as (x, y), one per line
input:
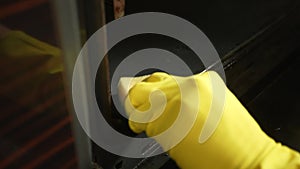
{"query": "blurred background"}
(35, 123)
(258, 42)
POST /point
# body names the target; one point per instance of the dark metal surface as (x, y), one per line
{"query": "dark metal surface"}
(226, 23)
(276, 108)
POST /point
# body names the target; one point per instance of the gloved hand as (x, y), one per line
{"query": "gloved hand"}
(18, 47)
(237, 141)
(25, 65)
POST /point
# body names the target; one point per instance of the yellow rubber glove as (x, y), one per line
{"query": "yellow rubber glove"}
(237, 141)
(25, 66)
(18, 46)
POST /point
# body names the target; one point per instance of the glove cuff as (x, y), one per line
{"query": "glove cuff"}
(278, 157)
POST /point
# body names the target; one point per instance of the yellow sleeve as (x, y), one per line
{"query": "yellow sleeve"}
(281, 157)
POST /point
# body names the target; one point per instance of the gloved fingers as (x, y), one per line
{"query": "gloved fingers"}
(158, 113)
(152, 106)
(136, 127)
(157, 77)
(139, 94)
(138, 116)
(146, 101)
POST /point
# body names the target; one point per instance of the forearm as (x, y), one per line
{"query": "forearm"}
(281, 157)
